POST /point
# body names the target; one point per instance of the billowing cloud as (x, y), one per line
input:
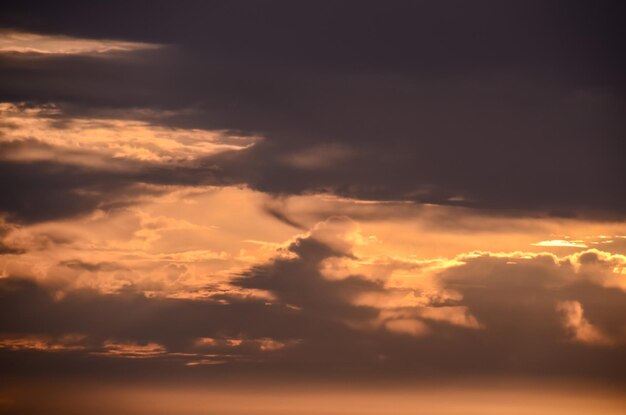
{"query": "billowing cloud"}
(511, 313)
(581, 329)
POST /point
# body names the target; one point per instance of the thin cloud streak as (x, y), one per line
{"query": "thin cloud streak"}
(33, 43)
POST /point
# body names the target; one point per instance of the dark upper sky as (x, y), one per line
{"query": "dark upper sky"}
(498, 105)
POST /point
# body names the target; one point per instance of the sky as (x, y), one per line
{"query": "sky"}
(312, 207)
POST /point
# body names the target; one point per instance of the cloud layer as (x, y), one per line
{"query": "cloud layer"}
(440, 103)
(499, 314)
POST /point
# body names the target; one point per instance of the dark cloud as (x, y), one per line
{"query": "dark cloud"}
(4, 250)
(279, 214)
(47, 190)
(515, 106)
(130, 316)
(92, 266)
(299, 282)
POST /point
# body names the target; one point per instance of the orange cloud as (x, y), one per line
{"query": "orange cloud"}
(44, 44)
(45, 133)
(68, 342)
(582, 331)
(132, 350)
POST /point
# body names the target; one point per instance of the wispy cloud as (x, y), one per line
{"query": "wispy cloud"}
(52, 44)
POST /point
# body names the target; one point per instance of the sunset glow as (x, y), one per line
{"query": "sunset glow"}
(312, 208)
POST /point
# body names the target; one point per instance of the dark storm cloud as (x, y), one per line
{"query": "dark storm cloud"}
(47, 190)
(299, 282)
(32, 308)
(516, 105)
(44, 191)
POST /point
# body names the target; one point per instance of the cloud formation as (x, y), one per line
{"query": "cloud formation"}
(61, 166)
(405, 192)
(32, 43)
(495, 313)
(507, 119)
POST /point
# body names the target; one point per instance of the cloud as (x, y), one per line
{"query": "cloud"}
(517, 297)
(128, 318)
(132, 350)
(188, 207)
(562, 243)
(320, 157)
(297, 280)
(380, 114)
(61, 166)
(68, 342)
(41, 191)
(43, 133)
(33, 43)
(582, 330)
(495, 313)
(406, 326)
